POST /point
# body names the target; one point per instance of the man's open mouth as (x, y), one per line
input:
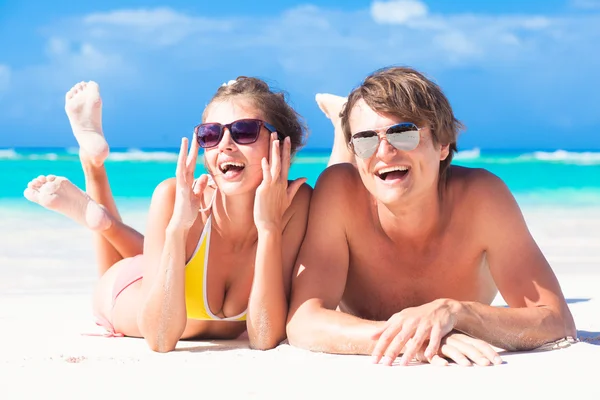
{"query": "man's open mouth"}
(391, 173)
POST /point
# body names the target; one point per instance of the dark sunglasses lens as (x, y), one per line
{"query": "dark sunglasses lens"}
(245, 131)
(209, 135)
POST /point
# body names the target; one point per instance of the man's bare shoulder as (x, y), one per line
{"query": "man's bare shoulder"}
(480, 191)
(339, 180)
(301, 200)
(338, 192)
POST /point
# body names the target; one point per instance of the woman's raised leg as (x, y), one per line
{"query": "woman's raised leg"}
(332, 105)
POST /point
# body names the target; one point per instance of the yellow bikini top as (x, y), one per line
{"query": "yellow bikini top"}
(196, 302)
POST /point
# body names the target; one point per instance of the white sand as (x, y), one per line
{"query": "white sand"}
(46, 278)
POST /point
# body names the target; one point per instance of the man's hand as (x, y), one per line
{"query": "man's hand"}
(464, 350)
(409, 329)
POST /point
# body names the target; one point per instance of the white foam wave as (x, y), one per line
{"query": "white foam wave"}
(562, 156)
(139, 155)
(8, 154)
(468, 154)
(46, 156)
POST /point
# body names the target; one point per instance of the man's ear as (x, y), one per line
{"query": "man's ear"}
(445, 150)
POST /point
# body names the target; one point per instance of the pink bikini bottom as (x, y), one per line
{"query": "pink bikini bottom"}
(128, 275)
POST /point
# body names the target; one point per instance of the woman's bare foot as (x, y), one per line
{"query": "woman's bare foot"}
(59, 194)
(332, 105)
(83, 105)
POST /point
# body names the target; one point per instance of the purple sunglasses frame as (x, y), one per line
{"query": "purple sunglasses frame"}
(222, 127)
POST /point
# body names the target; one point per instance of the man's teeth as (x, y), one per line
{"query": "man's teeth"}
(391, 169)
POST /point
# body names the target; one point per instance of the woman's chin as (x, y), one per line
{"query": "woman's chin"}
(231, 187)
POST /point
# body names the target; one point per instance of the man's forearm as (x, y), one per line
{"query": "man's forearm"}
(511, 329)
(330, 331)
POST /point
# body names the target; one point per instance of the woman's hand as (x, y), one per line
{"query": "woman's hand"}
(188, 193)
(274, 195)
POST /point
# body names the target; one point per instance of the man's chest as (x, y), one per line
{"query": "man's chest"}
(384, 278)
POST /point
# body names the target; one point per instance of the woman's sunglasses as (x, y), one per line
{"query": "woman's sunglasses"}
(403, 136)
(242, 131)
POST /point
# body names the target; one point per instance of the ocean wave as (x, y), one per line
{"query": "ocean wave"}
(8, 154)
(563, 156)
(468, 154)
(140, 155)
(72, 153)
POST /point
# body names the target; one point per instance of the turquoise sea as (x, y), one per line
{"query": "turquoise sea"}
(553, 178)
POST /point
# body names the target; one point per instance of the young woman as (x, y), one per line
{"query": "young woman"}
(219, 250)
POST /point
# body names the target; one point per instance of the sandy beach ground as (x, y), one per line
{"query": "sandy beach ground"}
(46, 279)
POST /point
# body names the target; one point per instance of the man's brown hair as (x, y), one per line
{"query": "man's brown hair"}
(408, 95)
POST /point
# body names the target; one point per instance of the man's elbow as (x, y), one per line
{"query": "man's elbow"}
(565, 326)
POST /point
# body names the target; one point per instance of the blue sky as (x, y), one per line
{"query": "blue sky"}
(519, 74)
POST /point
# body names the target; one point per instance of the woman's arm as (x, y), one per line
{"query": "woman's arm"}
(277, 202)
(162, 317)
(275, 257)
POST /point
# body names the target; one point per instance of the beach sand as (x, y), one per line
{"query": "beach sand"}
(46, 279)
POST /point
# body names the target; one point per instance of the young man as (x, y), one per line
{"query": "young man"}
(413, 250)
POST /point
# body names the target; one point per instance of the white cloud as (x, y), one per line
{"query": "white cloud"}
(308, 45)
(586, 4)
(4, 77)
(160, 26)
(398, 11)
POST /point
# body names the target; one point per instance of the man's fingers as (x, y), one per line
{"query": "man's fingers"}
(439, 361)
(379, 331)
(486, 349)
(435, 337)
(395, 348)
(384, 341)
(413, 345)
(471, 348)
(455, 355)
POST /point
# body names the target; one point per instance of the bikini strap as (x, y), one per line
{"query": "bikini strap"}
(211, 183)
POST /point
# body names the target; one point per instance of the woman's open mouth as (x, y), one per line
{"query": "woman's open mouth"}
(231, 170)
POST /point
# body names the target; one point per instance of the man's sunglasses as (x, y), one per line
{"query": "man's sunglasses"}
(403, 136)
(242, 131)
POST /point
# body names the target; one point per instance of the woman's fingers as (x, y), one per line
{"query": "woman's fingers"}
(286, 158)
(275, 157)
(181, 161)
(266, 171)
(192, 158)
(199, 185)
